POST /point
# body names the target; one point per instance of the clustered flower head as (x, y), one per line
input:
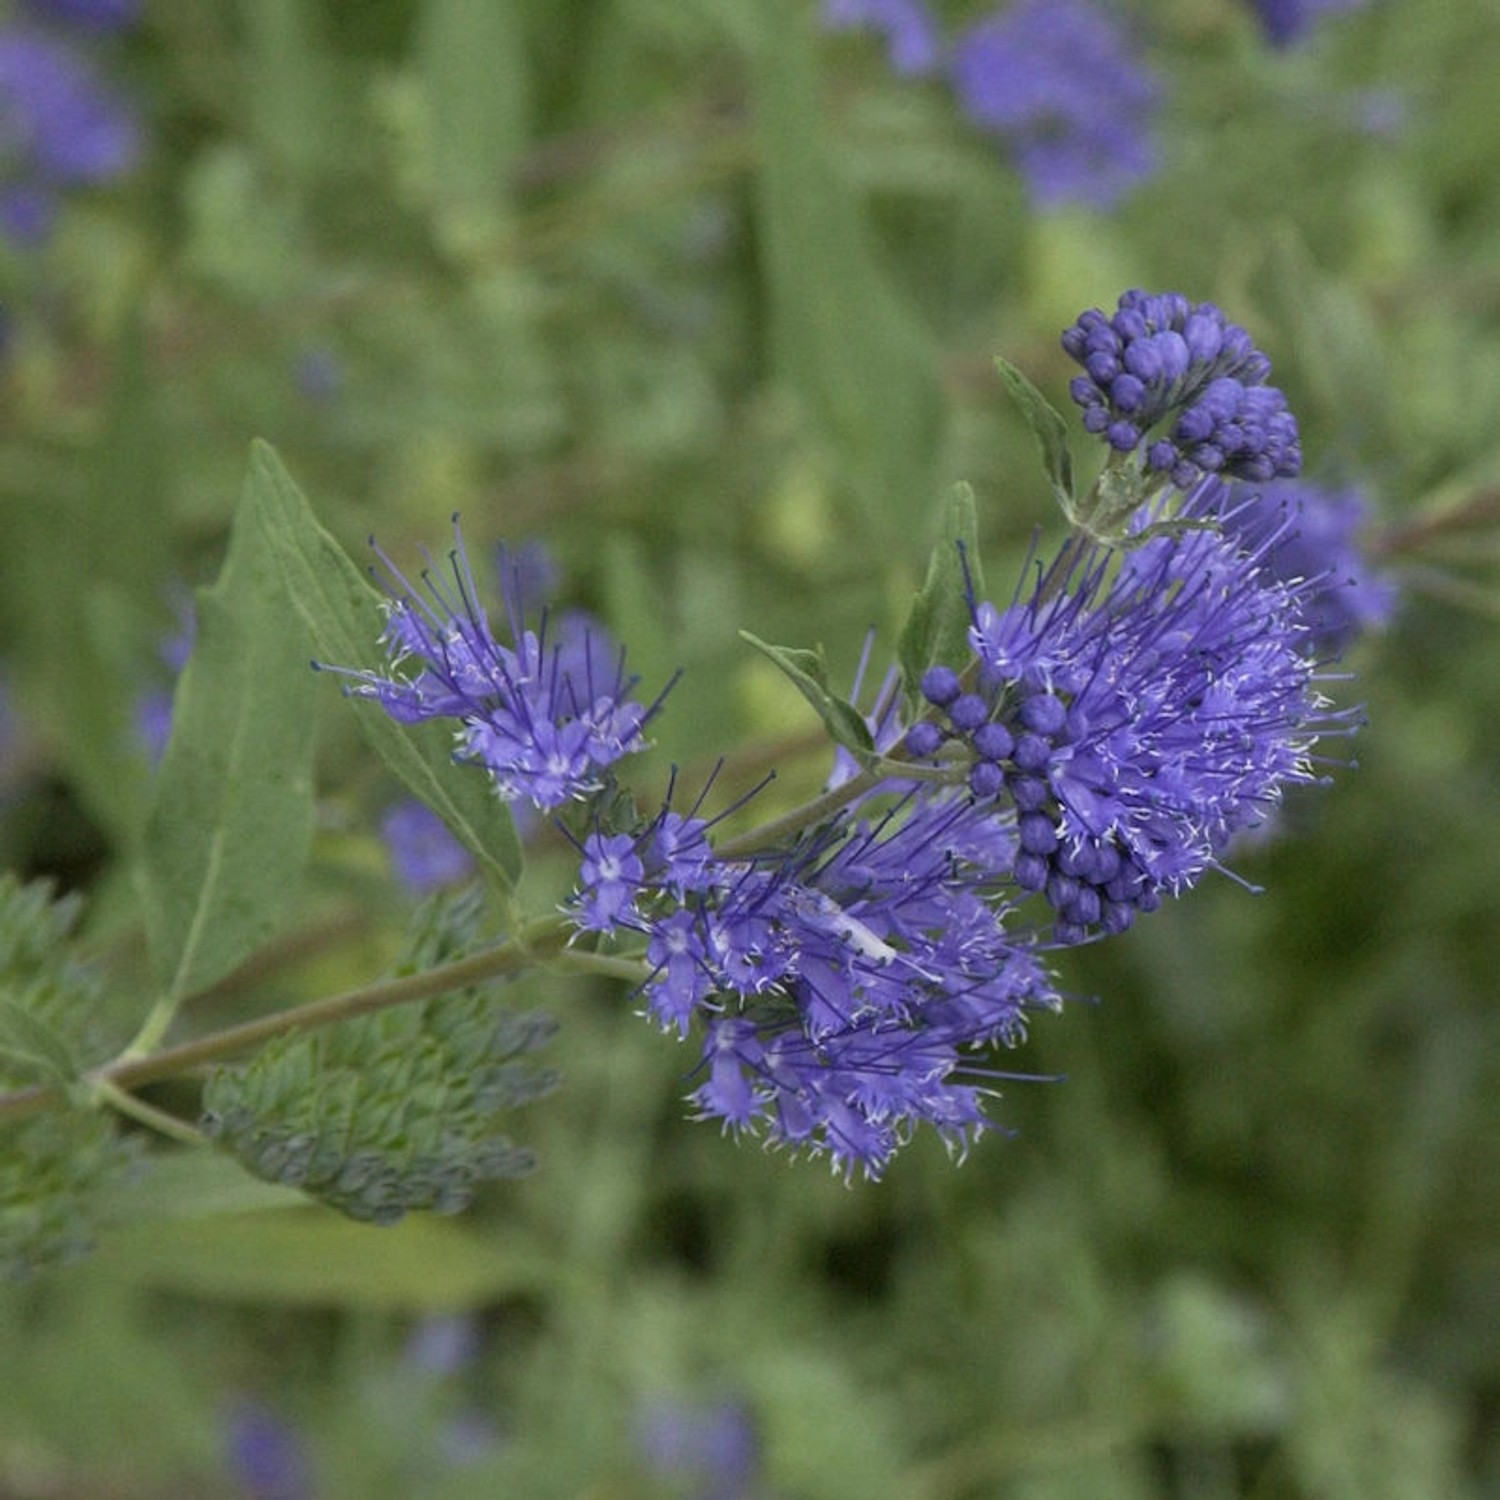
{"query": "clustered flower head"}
(60, 128)
(545, 715)
(847, 972)
(1058, 81)
(1177, 383)
(1311, 536)
(1135, 714)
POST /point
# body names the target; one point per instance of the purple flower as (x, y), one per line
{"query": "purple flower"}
(712, 1446)
(424, 854)
(543, 717)
(1162, 359)
(1147, 710)
(153, 705)
(318, 374)
(845, 985)
(911, 34)
(88, 15)
(59, 128)
(1058, 81)
(265, 1457)
(1315, 541)
(1286, 22)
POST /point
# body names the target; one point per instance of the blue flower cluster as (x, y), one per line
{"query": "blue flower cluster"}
(1057, 81)
(1161, 356)
(60, 127)
(839, 979)
(1135, 715)
(544, 717)
(847, 970)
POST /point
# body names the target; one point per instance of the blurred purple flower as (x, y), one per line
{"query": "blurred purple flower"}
(60, 127)
(1319, 547)
(87, 15)
(424, 854)
(911, 34)
(153, 705)
(1287, 22)
(318, 375)
(265, 1457)
(1059, 82)
(711, 1446)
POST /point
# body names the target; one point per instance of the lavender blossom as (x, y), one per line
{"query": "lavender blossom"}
(910, 32)
(1058, 81)
(1162, 358)
(1314, 536)
(59, 128)
(545, 718)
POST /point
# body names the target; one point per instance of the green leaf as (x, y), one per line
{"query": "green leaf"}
(232, 810)
(343, 615)
(309, 1257)
(937, 629)
(476, 123)
(806, 669)
(33, 1048)
(1049, 429)
(843, 336)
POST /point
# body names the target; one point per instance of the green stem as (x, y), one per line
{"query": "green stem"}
(544, 939)
(148, 1114)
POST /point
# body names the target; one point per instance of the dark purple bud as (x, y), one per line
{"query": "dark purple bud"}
(1030, 871)
(1028, 792)
(1103, 367)
(1032, 753)
(985, 779)
(940, 686)
(993, 741)
(923, 740)
(1127, 392)
(1203, 335)
(1123, 436)
(1143, 360)
(968, 712)
(1193, 426)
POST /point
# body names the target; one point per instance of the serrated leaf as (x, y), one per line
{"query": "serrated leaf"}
(32, 1048)
(806, 670)
(936, 631)
(232, 808)
(1049, 429)
(343, 615)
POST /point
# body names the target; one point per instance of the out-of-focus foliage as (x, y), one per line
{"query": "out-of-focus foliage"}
(707, 297)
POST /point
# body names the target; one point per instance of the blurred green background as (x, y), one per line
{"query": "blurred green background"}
(704, 297)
